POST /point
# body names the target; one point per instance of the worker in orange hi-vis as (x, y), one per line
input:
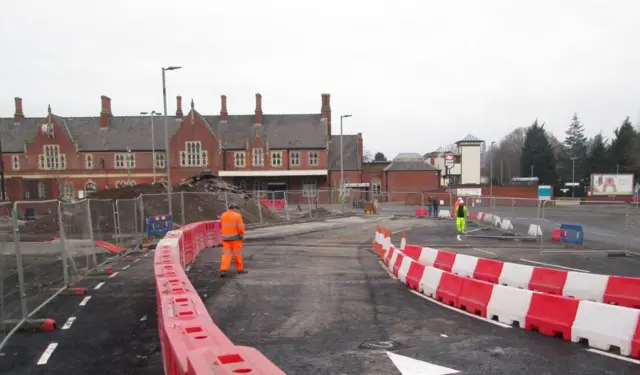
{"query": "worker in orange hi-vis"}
(232, 236)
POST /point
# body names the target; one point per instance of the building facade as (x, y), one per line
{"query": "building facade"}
(467, 166)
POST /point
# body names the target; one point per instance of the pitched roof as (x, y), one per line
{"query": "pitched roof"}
(470, 138)
(409, 162)
(350, 156)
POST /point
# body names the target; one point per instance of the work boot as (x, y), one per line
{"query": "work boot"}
(223, 273)
(242, 272)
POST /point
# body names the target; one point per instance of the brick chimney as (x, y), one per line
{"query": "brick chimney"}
(105, 112)
(18, 116)
(179, 113)
(325, 111)
(224, 115)
(258, 109)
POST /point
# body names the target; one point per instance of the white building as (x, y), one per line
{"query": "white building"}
(467, 154)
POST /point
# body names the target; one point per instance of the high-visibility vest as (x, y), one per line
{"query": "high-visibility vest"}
(232, 226)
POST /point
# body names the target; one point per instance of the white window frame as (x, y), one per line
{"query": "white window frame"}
(120, 161)
(257, 159)
(90, 184)
(376, 186)
(294, 158)
(314, 158)
(15, 162)
(68, 190)
(42, 190)
(240, 159)
(193, 155)
(276, 159)
(88, 161)
(51, 159)
(160, 160)
(309, 188)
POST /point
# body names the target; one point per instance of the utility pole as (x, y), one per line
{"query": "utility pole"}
(129, 166)
(573, 177)
(3, 185)
(531, 170)
(167, 155)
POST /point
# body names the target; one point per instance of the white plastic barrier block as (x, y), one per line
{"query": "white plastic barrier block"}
(585, 286)
(378, 237)
(509, 305)
(534, 230)
(506, 224)
(403, 243)
(464, 265)
(430, 280)
(488, 218)
(404, 268)
(444, 214)
(516, 275)
(605, 326)
(497, 221)
(428, 256)
(394, 257)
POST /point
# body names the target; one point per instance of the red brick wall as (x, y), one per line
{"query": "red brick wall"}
(196, 131)
(399, 183)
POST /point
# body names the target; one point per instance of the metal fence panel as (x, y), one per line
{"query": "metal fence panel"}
(76, 228)
(103, 224)
(8, 275)
(158, 205)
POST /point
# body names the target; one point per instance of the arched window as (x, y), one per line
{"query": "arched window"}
(120, 184)
(90, 187)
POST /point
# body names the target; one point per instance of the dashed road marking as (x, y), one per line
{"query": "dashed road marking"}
(136, 261)
(69, 322)
(484, 251)
(553, 265)
(126, 267)
(401, 230)
(100, 284)
(44, 358)
(611, 355)
(85, 300)
(146, 255)
(115, 273)
(603, 234)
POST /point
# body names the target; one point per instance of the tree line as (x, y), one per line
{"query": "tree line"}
(534, 152)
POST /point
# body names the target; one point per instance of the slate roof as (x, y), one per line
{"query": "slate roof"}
(351, 158)
(470, 138)
(409, 162)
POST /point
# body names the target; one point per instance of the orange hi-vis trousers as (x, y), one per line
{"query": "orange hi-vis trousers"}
(231, 248)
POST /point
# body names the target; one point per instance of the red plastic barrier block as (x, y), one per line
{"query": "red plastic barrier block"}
(238, 360)
(449, 288)
(389, 255)
(547, 280)
(396, 265)
(474, 296)
(473, 215)
(444, 260)
(419, 212)
(414, 275)
(413, 251)
(623, 291)
(488, 270)
(635, 343)
(552, 315)
(556, 235)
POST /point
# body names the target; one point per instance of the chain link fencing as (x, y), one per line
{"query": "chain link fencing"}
(9, 293)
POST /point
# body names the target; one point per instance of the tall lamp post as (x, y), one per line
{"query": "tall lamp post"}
(166, 135)
(153, 140)
(573, 176)
(342, 156)
(491, 171)
(129, 165)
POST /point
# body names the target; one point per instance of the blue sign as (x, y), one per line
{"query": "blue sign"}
(572, 234)
(544, 192)
(159, 225)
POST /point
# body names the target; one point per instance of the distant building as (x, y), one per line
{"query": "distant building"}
(467, 154)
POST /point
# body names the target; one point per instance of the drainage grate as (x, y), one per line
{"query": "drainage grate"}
(380, 345)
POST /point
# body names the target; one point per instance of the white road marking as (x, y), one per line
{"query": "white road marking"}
(136, 261)
(84, 301)
(410, 366)
(146, 255)
(459, 239)
(69, 322)
(126, 267)
(554, 265)
(387, 270)
(99, 285)
(611, 355)
(143, 318)
(115, 274)
(484, 251)
(44, 358)
(401, 230)
(499, 324)
(443, 335)
(603, 234)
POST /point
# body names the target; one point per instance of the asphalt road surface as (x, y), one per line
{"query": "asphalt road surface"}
(321, 303)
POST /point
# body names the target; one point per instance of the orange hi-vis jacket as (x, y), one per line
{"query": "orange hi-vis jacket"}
(232, 226)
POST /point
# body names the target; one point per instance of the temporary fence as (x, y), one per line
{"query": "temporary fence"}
(191, 343)
(9, 293)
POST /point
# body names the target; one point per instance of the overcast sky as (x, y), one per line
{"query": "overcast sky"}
(414, 74)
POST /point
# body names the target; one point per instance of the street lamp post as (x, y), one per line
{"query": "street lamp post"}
(153, 141)
(342, 157)
(531, 170)
(573, 176)
(491, 171)
(166, 135)
(129, 166)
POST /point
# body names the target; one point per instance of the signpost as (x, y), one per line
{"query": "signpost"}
(158, 225)
(449, 162)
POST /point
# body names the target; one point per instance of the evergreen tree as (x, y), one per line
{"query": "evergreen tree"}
(574, 146)
(379, 156)
(597, 160)
(538, 154)
(622, 148)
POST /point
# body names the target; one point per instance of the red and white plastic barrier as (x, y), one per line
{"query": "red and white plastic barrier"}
(191, 343)
(603, 325)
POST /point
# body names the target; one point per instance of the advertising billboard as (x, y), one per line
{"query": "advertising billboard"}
(611, 184)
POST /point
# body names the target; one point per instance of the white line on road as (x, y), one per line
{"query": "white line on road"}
(602, 234)
(499, 324)
(387, 270)
(484, 251)
(458, 237)
(84, 301)
(611, 355)
(115, 274)
(146, 255)
(401, 230)
(126, 267)
(136, 261)
(44, 358)
(99, 285)
(69, 322)
(554, 265)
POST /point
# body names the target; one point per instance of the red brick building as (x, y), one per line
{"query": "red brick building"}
(50, 155)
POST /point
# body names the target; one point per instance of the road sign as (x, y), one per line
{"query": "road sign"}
(159, 224)
(449, 160)
(572, 234)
